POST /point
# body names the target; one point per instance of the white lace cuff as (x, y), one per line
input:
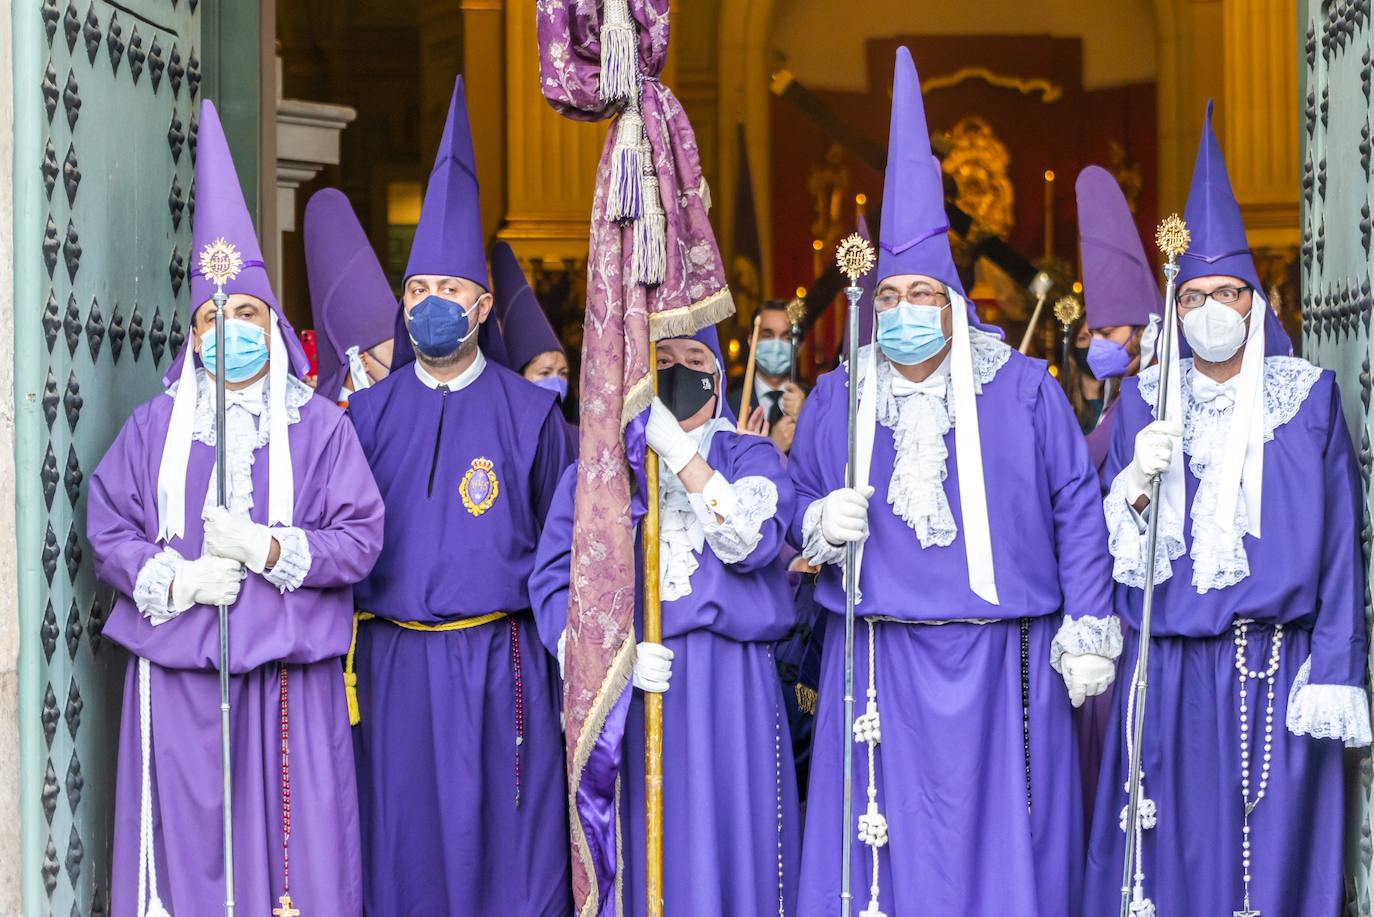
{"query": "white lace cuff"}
(1086, 635)
(1328, 711)
(152, 589)
(745, 506)
(293, 560)
(1127, 537)
(817, 551)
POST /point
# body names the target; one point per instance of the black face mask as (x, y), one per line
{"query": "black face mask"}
(1080, 356)
(684, 390)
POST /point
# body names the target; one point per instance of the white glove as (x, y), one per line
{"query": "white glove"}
(1086, 675)
(667, 438)
(653, 667)
(844, 515)
(210, 580)
(1154, 450)
(236, 537)
(562, 644)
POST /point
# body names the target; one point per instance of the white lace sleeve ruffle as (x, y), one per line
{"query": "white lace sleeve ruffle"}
(815, 548)
(152, 589)
(1087, 635)
(1127, 538)
(744, 506)
(1328, 711)
(293, 559)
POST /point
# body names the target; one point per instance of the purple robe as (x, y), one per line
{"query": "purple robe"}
(1305, 573)
(732, 833)
(951, 765)
(339, 510)
(1092, 717)
(457, 818)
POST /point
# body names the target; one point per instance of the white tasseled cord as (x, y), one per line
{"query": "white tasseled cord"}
(872, 824)
(1146, 815)
(618, 52)
(633, 195)
(149, 904)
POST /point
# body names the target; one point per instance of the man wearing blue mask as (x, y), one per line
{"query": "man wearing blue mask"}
(532, 346)
(982, 591)
(301, 521)
(459, 747)
(780, 398)
(1121, 297)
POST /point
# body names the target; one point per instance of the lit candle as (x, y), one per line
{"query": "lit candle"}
(1049, 214)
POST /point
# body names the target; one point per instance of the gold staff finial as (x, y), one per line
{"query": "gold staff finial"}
(855, 257)
(1173, 237)
(796, 311)
(1067, 309)
(220, 262)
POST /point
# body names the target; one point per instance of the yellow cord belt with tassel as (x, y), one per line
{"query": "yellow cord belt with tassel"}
(351, 677)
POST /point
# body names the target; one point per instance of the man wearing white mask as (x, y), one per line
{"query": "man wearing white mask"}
(1258, 652)
(983, 571)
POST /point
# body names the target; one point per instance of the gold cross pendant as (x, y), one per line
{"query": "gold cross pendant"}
(286, 909)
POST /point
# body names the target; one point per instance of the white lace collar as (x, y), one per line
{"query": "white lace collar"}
(919, 416)
(1218, 554)
(203, 431)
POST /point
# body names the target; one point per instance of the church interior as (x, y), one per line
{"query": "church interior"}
(790, 104)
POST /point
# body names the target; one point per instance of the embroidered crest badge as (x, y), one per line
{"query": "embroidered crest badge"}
(479, 487)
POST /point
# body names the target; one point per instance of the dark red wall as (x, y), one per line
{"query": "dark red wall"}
(1064, 135)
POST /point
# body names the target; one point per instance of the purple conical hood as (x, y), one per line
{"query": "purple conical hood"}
(222, 213)
(915, 230)
(1218, 244)
(1119, 286)
(349, 293)
(524, 326)
(448, 240)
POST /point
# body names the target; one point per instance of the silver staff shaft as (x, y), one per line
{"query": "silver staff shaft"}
(222, 495)
(1142, 667)
(1064, 355)
(851, 588)
(796, 336)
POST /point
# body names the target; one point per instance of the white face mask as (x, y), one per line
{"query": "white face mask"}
(1214, 332)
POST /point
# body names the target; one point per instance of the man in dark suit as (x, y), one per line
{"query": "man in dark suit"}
(780, 398)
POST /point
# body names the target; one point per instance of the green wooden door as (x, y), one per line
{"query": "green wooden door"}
(1337, 195)
(104, 144)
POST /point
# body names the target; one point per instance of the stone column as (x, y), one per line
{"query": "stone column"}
(484, 77)
(551, 161)
(1260, 116)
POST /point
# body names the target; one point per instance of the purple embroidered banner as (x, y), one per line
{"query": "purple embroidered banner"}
(621, 317)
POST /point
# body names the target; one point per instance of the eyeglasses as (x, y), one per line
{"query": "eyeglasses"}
(1191, 299)
(922, 296)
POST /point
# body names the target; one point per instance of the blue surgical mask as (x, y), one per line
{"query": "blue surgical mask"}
(439, 326)
(245, 350)
(774, 356)
(911, 334)
(1107, 359)
(556, 384)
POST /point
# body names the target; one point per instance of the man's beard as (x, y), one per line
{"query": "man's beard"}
(449, 360)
